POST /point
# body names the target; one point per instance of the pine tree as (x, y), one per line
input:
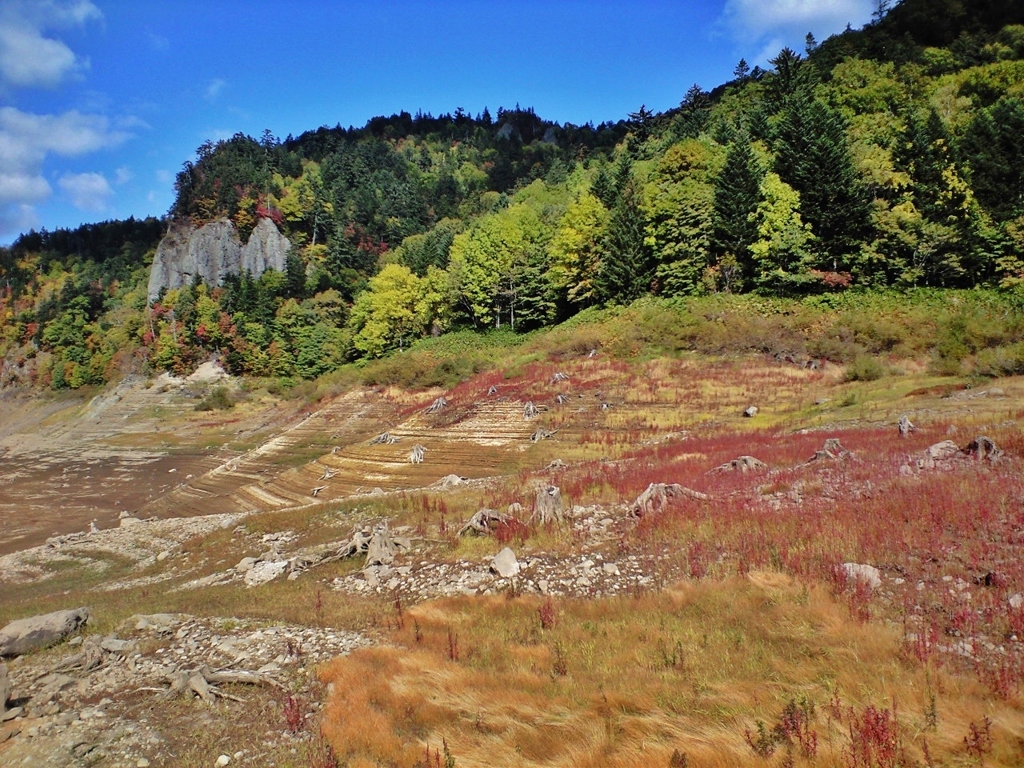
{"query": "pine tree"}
(994, 146)
(627, 266)
(737, 192)
(813, 157)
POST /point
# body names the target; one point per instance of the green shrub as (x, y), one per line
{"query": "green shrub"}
(218, 399)
(865, 368)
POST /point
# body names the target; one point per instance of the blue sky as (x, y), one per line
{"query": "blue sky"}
(101, 101)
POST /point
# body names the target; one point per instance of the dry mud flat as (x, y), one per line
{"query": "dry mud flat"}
(66, 463)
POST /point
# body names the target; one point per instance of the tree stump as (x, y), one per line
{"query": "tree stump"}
(547, 507)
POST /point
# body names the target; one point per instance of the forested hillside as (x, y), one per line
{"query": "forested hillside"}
(885, 158)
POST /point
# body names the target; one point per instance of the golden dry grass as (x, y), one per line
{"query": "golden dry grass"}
(626, 681)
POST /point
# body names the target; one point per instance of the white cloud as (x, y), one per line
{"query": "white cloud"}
(27, 140)
(123, 175)
(22, 188)
(28, 57)
(765, 26)
(213, 90)
(87, 191)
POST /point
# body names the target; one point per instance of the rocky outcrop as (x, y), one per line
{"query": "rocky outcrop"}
(214, 251)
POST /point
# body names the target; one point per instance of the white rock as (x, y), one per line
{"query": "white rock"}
(611, 569)
(866, 573)
(1016, 600)
(222, 761)
(265, 571)
(245, 564)
(505, 564)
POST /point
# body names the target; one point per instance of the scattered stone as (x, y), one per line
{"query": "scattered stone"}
(505, 564)
(866, 573)
(222, 761)
(246, 564)
(905, 426)
(742, 464)
(5, 687)
(264, 571)
(449, 481)
(750, 412)
(1016, 601)
(547, 507)
(657, 496)
(157, 622)
(25, 635)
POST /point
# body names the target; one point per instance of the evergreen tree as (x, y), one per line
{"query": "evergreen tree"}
(627, 267)
(994, 146)
(813, 157)
(737, 192)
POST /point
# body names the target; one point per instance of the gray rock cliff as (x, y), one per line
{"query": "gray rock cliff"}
(214, 251)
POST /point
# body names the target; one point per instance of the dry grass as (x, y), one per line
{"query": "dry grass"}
(626, 681)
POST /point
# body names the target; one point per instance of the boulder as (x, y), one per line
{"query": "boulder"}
(750, 412)
(26, 635)
(5, 687)
(947, 449)
(866, 573)
(505, 564)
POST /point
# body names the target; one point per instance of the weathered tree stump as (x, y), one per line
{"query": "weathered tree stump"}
(530, 410)
(417, 454)
(438, 405)
(742, 464)
(658, 495)
(483, 522)
(983, 448)
(905, 426)
(547, 507)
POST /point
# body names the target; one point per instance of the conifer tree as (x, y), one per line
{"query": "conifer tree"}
(813, 157)
(736, 198)
(627, 267)
(995, 147)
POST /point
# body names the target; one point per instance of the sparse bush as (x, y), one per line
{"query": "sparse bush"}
(865, 368)
(218, 399)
